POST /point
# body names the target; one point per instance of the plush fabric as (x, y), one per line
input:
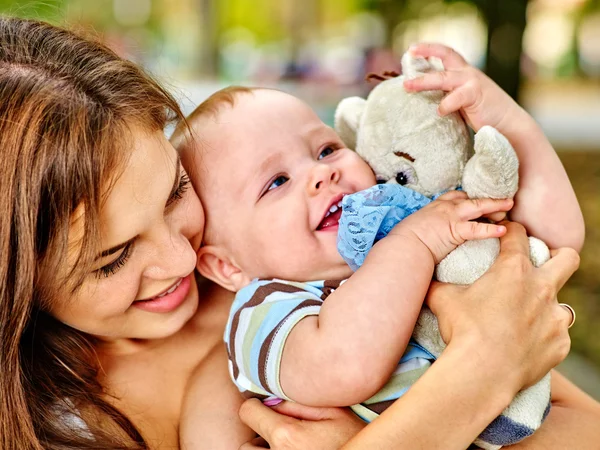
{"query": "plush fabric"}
(409, 146)
(369, 216)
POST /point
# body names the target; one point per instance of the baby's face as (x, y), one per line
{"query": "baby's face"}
(272, 180)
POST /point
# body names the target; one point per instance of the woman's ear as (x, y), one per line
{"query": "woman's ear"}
(216, 264)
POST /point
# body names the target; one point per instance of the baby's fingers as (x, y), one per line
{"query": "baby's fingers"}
(496, 217)
(445, 81)
(453, 195)
(462, 97)
(475, 208)
(469, 231)
(450, 58)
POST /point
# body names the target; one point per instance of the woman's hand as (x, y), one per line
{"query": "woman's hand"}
(511, 311)
(290, 426)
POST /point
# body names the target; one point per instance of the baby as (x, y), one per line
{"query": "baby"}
(271, 176)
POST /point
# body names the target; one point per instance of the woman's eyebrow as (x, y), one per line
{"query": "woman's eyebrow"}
(118, 247)
(114, 249)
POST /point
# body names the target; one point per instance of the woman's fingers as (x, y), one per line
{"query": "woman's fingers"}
(439, 292)
(255, 444)
(450, 58)
(563, 264)
(515, 241)
(259, 417)
(305, 412)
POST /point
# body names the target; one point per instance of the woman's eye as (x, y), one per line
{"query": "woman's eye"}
(281, 179)
(184, 184)
(325, 152)
(113, 267)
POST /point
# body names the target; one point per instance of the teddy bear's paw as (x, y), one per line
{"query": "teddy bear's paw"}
(493, 171)
(539, 252)
(427, 333)
(468, 261)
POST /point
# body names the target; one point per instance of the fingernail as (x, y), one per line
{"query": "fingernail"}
(501, 229)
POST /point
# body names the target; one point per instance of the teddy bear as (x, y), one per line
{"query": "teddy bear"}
(404, 140)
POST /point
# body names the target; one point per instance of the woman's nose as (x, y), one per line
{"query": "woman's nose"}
(174, 256)
(321, 177)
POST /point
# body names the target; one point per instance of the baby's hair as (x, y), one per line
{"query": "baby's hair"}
(213, 104)
(182, 136)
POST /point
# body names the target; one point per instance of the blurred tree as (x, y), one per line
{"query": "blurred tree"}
(208, 62)
(51, 10)
(391, 12)
(506, 20)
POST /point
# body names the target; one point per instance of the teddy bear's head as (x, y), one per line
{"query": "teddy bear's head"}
(401, 135)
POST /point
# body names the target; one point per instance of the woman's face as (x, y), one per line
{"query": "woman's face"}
(151, 226)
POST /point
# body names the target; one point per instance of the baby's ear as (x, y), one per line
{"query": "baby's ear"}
(216, 264)
(347, 119)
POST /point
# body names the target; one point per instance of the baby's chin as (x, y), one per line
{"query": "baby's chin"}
(339, 271)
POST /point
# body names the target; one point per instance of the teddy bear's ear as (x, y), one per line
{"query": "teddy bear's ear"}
(347, 119)
(415, 66)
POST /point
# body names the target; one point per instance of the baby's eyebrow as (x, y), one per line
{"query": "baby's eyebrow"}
(270, 161)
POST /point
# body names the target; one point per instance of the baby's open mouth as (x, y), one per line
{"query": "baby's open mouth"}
(332, 216)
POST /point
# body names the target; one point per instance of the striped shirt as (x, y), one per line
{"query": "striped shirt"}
(261, 318)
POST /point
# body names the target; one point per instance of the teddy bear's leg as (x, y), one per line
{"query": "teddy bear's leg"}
(520, 419)
(539, 252)
(493, 171)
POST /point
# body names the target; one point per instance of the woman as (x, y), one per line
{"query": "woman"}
(102, 322)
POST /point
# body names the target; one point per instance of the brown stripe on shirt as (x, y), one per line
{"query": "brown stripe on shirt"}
(259, 296)
(266, 345)
(329, 286)
(379, 407)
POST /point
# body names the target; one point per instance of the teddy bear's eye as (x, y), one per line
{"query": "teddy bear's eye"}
(381, 181)
(401, 178)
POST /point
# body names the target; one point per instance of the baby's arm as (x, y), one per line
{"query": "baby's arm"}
(545, 202)
(346, 354)
(209, 415)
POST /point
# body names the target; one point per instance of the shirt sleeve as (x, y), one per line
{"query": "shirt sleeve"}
(261, 318)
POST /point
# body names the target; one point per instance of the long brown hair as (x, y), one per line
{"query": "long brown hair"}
(66, 105)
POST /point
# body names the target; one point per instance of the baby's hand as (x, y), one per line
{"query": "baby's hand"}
(479, 100)
(445, 223)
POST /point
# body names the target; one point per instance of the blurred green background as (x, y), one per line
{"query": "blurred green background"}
(545, 53)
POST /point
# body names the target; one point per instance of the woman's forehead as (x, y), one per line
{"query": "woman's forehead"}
(136, 197)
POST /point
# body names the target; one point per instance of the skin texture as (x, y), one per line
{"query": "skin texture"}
(266, 183)
(466, 388)
(142, 352)
(142, 205)
(170, 354)
(272, 229)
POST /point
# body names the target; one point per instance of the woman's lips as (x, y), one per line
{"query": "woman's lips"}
(168, 301)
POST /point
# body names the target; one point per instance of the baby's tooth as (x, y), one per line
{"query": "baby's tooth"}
(333, 208)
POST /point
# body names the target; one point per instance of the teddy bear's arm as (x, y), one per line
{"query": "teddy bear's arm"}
(493, 171)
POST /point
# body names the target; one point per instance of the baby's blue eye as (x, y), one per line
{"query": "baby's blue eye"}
(281, 179)
(325, 152)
